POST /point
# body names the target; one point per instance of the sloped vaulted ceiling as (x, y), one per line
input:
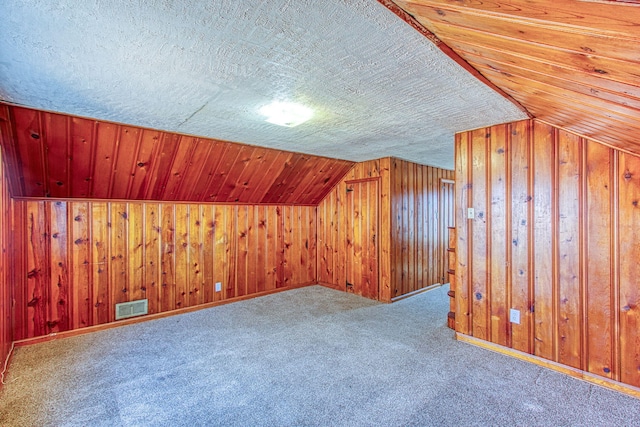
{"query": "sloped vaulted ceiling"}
(572, 63)
(378, 87)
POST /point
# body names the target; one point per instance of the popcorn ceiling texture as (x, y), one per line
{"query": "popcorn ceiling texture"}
(378, 87)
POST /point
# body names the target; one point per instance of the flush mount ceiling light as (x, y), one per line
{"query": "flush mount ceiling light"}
(287, 114)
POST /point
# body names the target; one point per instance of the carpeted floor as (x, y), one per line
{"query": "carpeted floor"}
(310, 356)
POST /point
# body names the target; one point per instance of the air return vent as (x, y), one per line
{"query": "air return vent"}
(132, 309)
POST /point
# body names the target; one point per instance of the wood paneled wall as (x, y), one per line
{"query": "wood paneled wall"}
(418, 230)
(332, 228)
(79, 258)
(555, 236)
(411, 242)
(6, 335)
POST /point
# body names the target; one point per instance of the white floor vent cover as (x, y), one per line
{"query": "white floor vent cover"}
(132, 309)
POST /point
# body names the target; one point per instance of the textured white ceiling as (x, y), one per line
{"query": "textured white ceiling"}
(378, 87)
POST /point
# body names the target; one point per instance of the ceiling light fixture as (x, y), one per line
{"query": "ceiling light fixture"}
(287, 114)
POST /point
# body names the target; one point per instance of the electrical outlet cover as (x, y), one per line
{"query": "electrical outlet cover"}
(218, 286)
(514, 316)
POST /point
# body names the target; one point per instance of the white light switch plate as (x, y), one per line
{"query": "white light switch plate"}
(218, 286)
(471, 213)
(514, 316)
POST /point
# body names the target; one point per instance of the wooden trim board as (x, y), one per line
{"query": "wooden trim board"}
(134, 320)
(564, 369)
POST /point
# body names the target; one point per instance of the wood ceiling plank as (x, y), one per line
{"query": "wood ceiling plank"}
(220, 175)
(535, 65)
(81, 135)
(564, 114)
(143, 163)
(612, 17)
(216, 154)
(127, 144)
(620, 71)
(314, 175)
(550, 34)
(597, 105)
(249, 177)
(281, 183)
(305, 171)
(10, 156)
(106, 134)
(561, 84)
(334, 175)
(59, 146)
(232, 181)
(182, 158)
(194, 170)
(102, 160)
(28, 135)
(546, 104)
(273, 164)
(163, 165)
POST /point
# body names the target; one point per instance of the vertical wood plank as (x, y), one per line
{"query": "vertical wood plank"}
(37, 269)
(479, 234)
(271, 248)
(498, 230)
(396, 209)
(102, 307)
(119, 253)
(182, 255)
(569, 322)
(208, 253)
(221, 251)
(421, 260)
(410, 225)
(231, 214)
(598, 242)
(135, 261)
(385, 231)
(152, 269)
(629, 222)
(242, 239)
(287, 244)
(520, 200)
(20, 219)
(310, 249)
(259, 246)
(81, 273)
(545, 325)
(404, 230)
(463, 252)
(168, 258)
(195, 283)
(58, 317)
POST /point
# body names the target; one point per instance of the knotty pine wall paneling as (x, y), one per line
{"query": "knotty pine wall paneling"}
(332, 245)
(81, 257)
(555, 237)
(6, 265)
(412, 234)
(419, 232)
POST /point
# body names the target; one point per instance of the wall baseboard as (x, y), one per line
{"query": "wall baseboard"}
(131, 321)
(416, 292)
(554, 366)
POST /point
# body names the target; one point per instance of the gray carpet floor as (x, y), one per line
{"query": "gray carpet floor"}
(310, 356)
